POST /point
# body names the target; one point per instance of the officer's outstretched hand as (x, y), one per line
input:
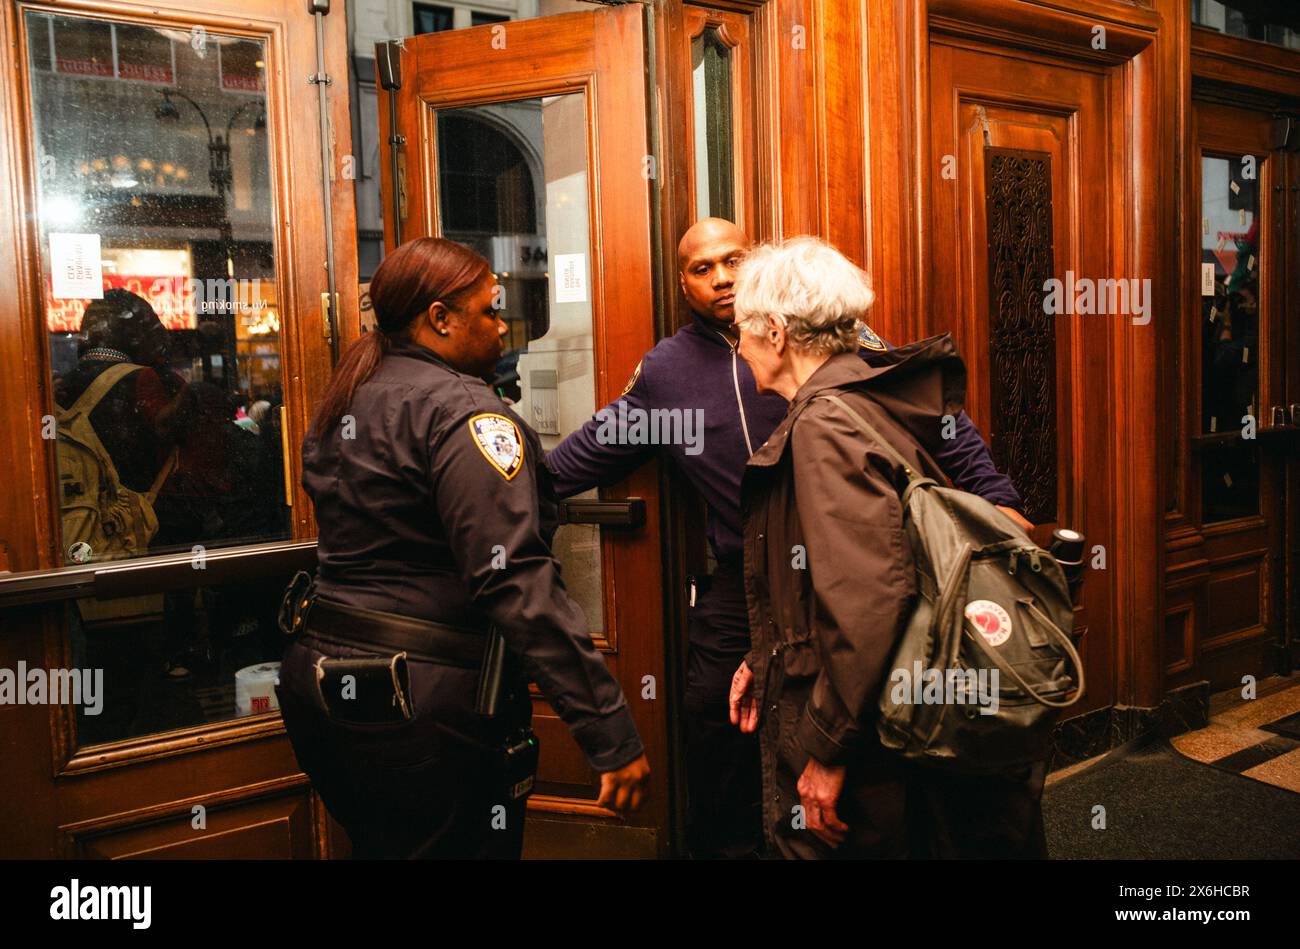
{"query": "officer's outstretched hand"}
(622, 791)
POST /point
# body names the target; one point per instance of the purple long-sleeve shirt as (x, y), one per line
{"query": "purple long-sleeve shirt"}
(698, 370)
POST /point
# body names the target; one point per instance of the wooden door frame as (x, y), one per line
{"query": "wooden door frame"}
(1260, 76)
(1139, 59)
(69, 788)
(1032, 105)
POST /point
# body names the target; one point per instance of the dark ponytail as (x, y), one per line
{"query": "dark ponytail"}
(408, 281)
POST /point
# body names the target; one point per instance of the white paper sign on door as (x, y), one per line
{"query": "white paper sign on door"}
(570, 278)
(75, 267)
(1207, 279)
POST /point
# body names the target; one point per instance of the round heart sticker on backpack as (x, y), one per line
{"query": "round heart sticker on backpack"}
(991, 620)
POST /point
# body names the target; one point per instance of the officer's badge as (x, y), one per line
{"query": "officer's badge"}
(636, 374)
(499, 440)
(867, 339)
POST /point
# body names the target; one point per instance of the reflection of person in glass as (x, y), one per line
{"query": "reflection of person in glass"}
(1236, 355)
(225, 490)
(1231, 380)
(126, 403)
(435, 529)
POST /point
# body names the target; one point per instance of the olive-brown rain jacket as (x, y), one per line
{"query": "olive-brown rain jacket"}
(830, 582)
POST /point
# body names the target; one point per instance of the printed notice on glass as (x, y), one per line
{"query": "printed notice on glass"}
(75, 267)
(1207, 279)
(570, 278)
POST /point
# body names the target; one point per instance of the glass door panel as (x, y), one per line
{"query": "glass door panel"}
(161, 306)
(513, 184)
(527, 141)
(1231, 264)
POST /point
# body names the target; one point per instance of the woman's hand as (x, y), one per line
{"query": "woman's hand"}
(819, 788)
(744, 712)
(622, 790)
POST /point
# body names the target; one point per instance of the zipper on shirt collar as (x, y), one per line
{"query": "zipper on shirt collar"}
(735, 379)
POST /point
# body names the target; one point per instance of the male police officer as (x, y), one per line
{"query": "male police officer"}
(698, 370)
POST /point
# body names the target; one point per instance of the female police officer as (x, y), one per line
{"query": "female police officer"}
(435, 527)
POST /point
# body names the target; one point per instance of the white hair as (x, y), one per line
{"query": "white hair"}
(810, 287)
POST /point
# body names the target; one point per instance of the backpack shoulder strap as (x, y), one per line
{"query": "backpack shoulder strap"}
(85, 404)
(163, 474)
(100, 386)
(913, 478)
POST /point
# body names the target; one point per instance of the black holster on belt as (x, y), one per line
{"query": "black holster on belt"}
(378, 632)
(488, 697)
(383, 682)
(296, 603)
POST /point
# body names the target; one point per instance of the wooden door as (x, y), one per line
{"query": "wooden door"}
(527, 141)
(162, 208)
(1021, 198)
(1241, 483)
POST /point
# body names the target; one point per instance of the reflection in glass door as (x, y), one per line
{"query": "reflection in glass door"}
(161, 304)
(1231, 263)
(1241, 426)
(513, 182)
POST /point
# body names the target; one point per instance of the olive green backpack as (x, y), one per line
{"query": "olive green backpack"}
(991, 620)
(103, 519)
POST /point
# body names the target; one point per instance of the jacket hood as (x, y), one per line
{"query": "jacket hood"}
(918, 384)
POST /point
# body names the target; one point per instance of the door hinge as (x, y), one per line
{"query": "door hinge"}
(389, 63)
(402, 209)
(982, 120)
(327, 313)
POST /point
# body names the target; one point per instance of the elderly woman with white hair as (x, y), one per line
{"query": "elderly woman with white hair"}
(828, 569)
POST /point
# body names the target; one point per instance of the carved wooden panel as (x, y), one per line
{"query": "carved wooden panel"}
(1022, 337)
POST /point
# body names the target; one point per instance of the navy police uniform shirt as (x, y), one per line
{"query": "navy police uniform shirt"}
(433, 501)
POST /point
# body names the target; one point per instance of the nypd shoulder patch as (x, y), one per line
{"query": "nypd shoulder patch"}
(636, 374)
(499, 440)
(867, 339)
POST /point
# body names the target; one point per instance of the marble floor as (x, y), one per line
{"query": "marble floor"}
(1258, 738)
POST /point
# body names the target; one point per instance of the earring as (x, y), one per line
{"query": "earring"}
(441, 332)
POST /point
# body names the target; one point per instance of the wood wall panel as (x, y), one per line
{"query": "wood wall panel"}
(891, 72)
(845, 217)
(1179, 633)
(1234, 602)
(271, 829)
(798, 52)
